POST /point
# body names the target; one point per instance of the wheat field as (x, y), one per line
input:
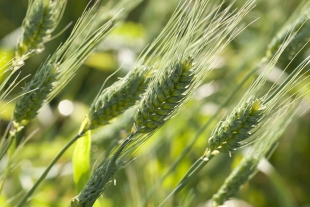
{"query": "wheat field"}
(154, 103)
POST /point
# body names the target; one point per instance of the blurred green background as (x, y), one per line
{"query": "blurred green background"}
(291, 160)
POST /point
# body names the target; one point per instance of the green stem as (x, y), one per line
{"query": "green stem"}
(10, 153)
(7, 146)
(112, 161)
(42, 177)
(193, 171)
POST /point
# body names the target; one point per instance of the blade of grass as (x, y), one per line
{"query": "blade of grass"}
(81, 158)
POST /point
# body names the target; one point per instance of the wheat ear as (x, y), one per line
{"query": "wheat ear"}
(57, 71)
(165, 97)
(175, 81)
(237, 128)
(263, 148)
(41, 20)
(120, 96)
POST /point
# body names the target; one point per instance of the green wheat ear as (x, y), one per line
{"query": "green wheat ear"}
(165, 98)
(120, 96)
(39, 89)
(230, 133)
(41, 20)
(261, 149)
(58, 70)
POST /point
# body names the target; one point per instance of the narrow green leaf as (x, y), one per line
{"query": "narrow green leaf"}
(81, 159)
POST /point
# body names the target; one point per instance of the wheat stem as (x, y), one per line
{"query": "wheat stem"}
(42, 177)
(90, 193)
(193, 170)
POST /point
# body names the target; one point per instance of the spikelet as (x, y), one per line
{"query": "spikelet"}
(57, 71)
(41, 20)
(120, 96)
(247, 168)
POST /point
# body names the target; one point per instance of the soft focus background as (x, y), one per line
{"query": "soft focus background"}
(60, 120)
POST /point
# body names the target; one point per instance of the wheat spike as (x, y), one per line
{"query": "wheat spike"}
(120, 96)
(57, 71)
(41, 20)
(166, 97)
(230, 133)
(39, 87)
(247, 168)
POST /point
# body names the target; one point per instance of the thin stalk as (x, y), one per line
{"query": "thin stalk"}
(10, 154)
(189, 146)
(7, 146)
(194, 169)
(111, 163)
(42, 177)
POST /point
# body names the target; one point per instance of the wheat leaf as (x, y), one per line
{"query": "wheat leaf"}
(81, 159)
